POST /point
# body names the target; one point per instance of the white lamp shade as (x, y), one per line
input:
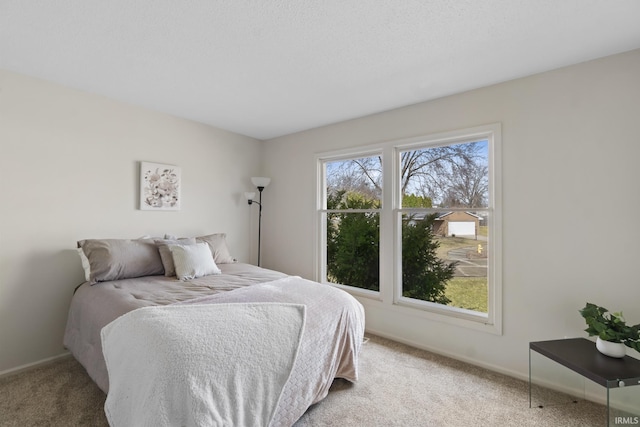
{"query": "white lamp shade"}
(260, 181)
(249, 195)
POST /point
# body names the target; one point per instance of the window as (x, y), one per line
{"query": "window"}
(351, 222)
(425, 213)
(444, 215)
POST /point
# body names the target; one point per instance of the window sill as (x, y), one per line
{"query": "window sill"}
(449, 316)
(357, 292)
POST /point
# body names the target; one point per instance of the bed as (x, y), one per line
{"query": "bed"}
(243, 345)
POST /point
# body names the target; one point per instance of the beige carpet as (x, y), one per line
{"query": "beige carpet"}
(399, 386)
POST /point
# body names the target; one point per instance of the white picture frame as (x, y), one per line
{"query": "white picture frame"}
(159, 187)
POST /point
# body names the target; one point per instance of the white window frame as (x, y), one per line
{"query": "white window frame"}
(390, 293)
(491, 319)
(322, 211)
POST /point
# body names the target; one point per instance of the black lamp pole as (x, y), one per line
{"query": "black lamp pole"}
(259, 203)
(259, 222)
(260, 182)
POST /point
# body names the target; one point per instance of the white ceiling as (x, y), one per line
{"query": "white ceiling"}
(266, 68)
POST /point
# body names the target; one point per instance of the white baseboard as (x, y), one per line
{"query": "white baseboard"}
(450, 355)
(33, 365)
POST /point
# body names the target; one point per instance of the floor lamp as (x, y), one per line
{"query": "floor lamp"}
(260, 183)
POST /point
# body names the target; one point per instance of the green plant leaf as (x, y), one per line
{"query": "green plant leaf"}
(610, 326)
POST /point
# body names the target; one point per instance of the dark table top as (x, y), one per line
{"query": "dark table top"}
(580, 355)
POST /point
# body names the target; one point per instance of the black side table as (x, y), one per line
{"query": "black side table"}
(581, 356)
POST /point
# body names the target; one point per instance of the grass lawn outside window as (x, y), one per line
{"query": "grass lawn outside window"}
(466, 292)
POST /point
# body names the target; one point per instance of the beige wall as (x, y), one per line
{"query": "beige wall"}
(570, 149)
(69, 168)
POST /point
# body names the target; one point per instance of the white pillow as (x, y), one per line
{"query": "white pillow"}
(193, 261)
(165, 253)
(85, 265)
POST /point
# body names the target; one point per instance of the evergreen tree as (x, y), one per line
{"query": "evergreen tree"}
(413, 201)
(424, 275)
(353, 250)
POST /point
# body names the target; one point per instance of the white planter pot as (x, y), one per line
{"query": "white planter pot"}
(611, 349)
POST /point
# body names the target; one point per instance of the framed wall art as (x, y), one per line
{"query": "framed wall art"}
(159, 187)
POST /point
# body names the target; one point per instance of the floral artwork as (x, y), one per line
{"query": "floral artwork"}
(159, 187)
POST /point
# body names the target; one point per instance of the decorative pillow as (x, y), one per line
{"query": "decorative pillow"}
(192, 261)
(165, 253)
(218, 245)
(114, 259)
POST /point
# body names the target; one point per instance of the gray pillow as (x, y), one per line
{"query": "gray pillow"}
(218, 245)
(165, 253)
(115, 259)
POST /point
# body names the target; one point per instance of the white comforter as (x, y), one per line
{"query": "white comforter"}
(229, 372)
(332, 335)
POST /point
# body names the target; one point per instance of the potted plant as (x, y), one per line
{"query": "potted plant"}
(611, 329)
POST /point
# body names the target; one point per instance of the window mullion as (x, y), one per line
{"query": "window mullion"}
(387, 234)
